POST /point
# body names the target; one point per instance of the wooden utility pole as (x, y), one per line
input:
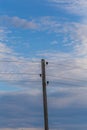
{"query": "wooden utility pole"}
(43, 75)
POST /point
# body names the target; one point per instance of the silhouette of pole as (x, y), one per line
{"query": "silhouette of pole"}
(43, 75)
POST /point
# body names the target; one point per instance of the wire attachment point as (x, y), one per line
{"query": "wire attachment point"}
(40, 75)
(46, 63)
(47, 82)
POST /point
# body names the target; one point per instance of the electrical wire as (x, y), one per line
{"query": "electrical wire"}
(17, 73)
(66, 78)
(65, 60)
(59, 85)
(16, 80)
(70, 67)
(20, 61)
(3, 73)
(64, 83)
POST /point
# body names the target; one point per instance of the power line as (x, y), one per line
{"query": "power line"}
(13, 73)
(19, 61)
(68, 66)
(8, 73)
(4, 73)
(16, 80)
(67, 86)
(64, 83)
(66, 78)
(65, 60)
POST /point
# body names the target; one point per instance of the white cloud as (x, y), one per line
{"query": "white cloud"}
(74, 33)
(66, 65)
(19, 22)
(29, 70)
(4, 49)
(71, 97)
(2, 34)
(81, 39)
(54, 42)
(63, 69)
(77, 34)
(74, 6)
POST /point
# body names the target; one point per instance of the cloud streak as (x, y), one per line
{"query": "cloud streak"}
(78, 7)
(74, 33)
(19, 22)
(66, 72)
(63, 72)
(20, 110)
(16, 68)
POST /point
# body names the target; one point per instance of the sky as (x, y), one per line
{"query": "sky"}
(54, 30)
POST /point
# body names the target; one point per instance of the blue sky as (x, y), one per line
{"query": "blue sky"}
(55, 30)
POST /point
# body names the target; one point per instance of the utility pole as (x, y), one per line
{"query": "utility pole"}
(44, 83)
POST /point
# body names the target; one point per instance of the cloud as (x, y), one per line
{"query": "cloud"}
(19, 22)
(20, 110)
(78, 7)
(21, 128)
(74, 33)
(4, 49)
(61, 67)
(81, 40)
(16, 68)
(2, 34)
(67, 70)
(54, 42)
(67, 97)
(77, 30)
(24, 111)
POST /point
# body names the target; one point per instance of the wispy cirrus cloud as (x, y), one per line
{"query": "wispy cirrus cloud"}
(74, 33)
(74, 6)
(69, 72)
(62, 67)
(76, 37)
(11, 64)
(19, 22)
(74, 68)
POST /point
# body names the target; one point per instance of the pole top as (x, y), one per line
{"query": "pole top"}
(42, 59)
